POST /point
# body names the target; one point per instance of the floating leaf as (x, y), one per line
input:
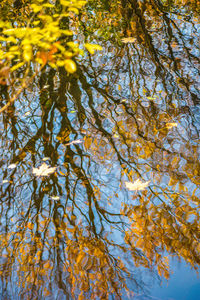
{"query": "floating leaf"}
(27, 113)
(56, 198)
(44, 170)
(45, 158)
(12, 166)
(46, 86)
(170, 125)
(5, 181)
(151, 98)
(74, 142)
(128, 40)
(137, 185)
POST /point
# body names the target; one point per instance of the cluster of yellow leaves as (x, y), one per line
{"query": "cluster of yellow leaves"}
(90, 267)
(155, 229)
(43, 40)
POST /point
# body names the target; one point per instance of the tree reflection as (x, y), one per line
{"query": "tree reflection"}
(97, 237)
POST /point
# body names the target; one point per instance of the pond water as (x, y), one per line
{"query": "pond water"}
(114, 210)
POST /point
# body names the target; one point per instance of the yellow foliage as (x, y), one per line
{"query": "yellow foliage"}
(45, 41)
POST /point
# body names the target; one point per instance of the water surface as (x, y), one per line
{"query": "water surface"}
(130, 112)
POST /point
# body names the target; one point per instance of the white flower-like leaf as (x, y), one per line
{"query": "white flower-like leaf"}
(137, 185)
(5, 181)
(12, 166)
(44, 170)
(55, 198)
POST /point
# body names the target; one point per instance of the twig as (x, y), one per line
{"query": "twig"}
(24, 85)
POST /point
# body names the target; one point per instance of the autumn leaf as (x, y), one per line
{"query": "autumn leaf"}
(74, 142)
(70, 65)
(5, 181)
(46, 158)
(12, 166)
(44, 170)
(137, 185)
(55, 198)
(170, 125)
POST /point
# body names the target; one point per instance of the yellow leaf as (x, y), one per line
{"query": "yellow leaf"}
(36, 8)
(93, 47)
(70, 66)
(27, 52)
(65, 3)
(74, 9)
